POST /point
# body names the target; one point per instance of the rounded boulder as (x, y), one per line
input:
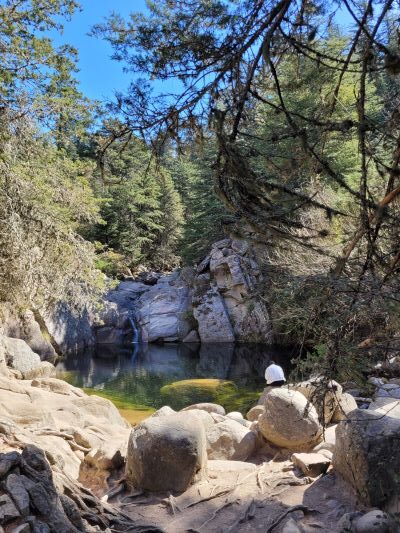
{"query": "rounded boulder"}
(166, 453)
(289, 420)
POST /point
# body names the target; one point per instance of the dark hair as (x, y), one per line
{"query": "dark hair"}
(272, 362)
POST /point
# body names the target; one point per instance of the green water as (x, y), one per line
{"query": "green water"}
(141, 377)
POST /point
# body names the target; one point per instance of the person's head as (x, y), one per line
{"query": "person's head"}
(272, 363)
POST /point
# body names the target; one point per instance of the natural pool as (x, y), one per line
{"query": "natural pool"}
(143, 377)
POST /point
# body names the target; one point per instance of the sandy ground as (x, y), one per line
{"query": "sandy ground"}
(245, 497)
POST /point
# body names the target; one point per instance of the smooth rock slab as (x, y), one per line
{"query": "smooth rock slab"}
(311, 464)
(166, 453)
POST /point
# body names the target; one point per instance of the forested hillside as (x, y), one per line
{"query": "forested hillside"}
(283, 127)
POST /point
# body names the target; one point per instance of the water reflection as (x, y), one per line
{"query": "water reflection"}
(138, 372)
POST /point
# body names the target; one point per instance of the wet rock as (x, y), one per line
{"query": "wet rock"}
(166, 453)
(289, 420)
(311, 464)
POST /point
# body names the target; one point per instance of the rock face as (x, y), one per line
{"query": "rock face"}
(223, 301)
(166, 453)
(159, 309)
(289, 420)
(367, 455)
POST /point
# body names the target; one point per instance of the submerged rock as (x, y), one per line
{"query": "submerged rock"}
(183, 393)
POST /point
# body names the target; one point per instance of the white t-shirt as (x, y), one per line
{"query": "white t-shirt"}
(274, 373)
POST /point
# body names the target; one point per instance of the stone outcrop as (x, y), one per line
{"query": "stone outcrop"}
(166, 453)
(157, 310)
(42, 499)
(367, 455)
(289, 420)
(224, 300)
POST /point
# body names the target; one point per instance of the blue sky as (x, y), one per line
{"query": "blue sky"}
(99, 76)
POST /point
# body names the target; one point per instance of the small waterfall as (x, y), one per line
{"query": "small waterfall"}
(135, 330)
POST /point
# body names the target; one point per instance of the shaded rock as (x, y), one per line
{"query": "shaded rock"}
(192, 336)
(206, 406)
(255, 412)
(329, 440)
(19, 355)
(375, 522)
(166, 453)
(230, 440)
(33, 336)
(289, 420)
(18, 493)
(311, 464)
(8, 511)
(212, 317)
(367, 455)
(8, 461)
(346, 404)
(291, 526)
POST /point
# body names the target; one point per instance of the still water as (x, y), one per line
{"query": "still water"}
(136, 376)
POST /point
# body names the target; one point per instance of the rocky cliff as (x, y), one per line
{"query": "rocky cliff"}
(218, 301)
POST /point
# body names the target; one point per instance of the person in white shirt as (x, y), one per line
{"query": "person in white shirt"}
(274, 375)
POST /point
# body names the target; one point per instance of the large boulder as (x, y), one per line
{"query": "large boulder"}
(289, 420)
(19, 355)
(166, 453)
(325, 396)
(367, 455)
(44, 370)
(230, 440)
